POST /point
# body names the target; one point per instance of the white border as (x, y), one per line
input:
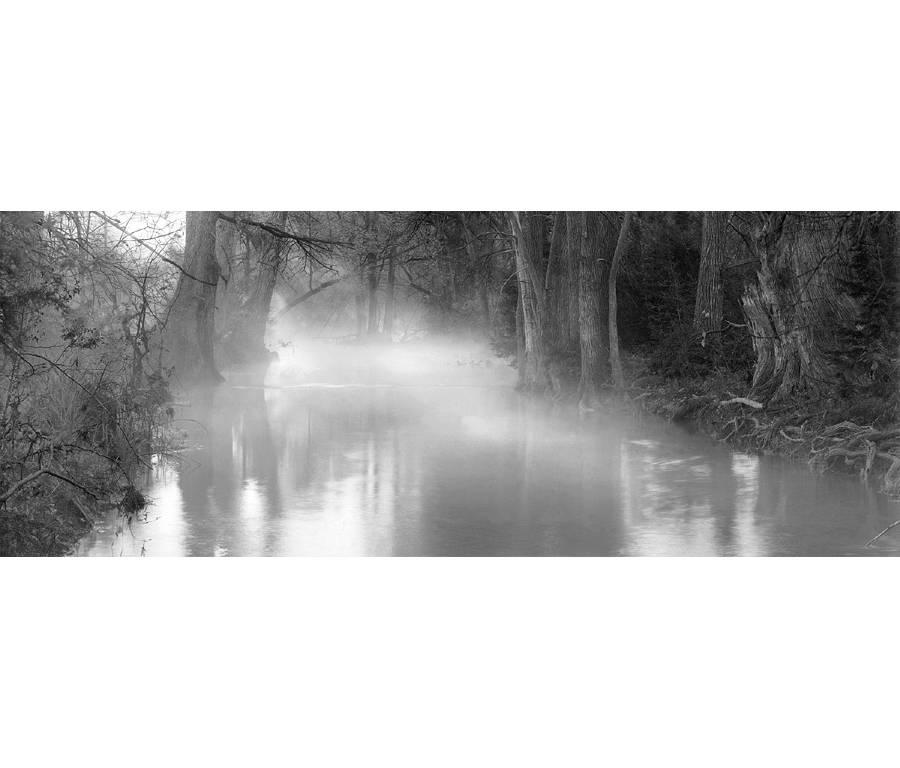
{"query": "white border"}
(441, 662)
(469, 105)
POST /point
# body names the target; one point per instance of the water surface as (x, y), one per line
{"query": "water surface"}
(428, 450)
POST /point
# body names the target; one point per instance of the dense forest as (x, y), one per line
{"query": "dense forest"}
(774, 330)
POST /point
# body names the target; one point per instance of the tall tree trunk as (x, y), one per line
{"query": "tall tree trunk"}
(528, 228)
(708, 306)
(190, 325)
(520, 339)
(555, 283)
(226, 240)
(615, 362)
(255, 310)
(388, 325)
(795, 309)
(495, 271)
(569, 321)
(372, 292)
(896, 265)
(360, 300)
(592, 237)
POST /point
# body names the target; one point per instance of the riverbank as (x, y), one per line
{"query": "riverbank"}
(42, 529)
(825, 438)
(53, 525)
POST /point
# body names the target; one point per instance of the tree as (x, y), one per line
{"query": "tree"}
(795, 307)
(708, 308)
(371, 270)
(528, 231)
(615, 363)
(266, 253)
(592, 237)
(188, 337)
(78, 297)
(558, 284)
(387, 326)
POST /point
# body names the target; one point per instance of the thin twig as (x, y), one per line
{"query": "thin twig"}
(153, 250)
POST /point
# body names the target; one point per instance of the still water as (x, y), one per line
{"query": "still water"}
(427, 450)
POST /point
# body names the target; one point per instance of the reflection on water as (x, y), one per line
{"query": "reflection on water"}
(373, 458)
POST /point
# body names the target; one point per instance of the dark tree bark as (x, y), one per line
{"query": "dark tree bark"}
(592, 236)
(708, 306)
(794, 309)
(615, 362)
(556, 284)
(896, 264)
(570, 313)
(190, 325)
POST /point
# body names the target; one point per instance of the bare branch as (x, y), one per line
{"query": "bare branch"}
(150, 248)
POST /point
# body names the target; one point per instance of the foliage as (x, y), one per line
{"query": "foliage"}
(79, 409)
(865, 355)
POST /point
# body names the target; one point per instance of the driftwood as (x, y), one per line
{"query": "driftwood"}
(742, 401)
(871, 541)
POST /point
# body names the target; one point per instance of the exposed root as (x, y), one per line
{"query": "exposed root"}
(800, 431)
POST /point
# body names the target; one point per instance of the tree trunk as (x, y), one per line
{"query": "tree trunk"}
(388, 325)
(528, 228)
(896, 265)
(372, 293)
(360, 301)
(569, 322)
(795, 310)
(226, 237)
(190, 325)
(592, 237)
(255, 310)
(615, 362)
(520, 340)
(708, 306)
(555, 284)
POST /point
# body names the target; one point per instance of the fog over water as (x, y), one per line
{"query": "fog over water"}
(425, 448)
